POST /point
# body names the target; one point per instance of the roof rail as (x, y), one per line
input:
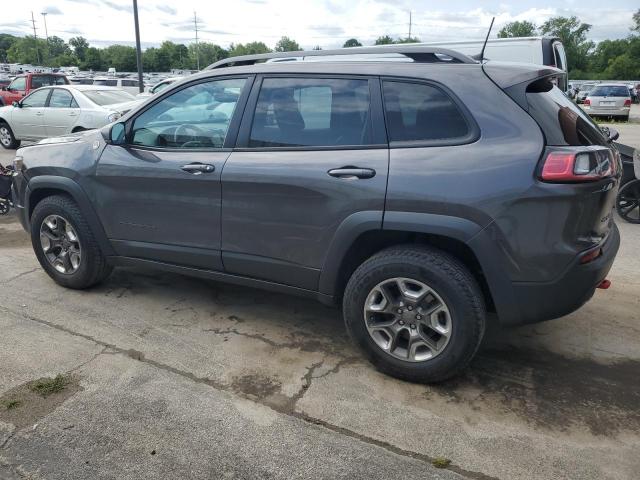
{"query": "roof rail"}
(417, 53)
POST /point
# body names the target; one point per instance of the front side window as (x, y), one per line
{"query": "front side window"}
(37, 99)
(60, 99)
(19, 84)
(418, 112)
(194, 117)
(306, 112)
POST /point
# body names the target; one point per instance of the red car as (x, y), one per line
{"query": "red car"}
(23, 84)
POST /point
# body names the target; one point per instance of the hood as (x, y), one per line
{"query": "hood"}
(72, 137)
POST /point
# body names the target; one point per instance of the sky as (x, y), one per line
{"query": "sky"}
(327, 23)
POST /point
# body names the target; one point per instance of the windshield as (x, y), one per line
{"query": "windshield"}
(108, 97)
(610, 91)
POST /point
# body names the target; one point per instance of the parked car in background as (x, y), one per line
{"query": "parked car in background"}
(158, 87)
(80, 80)
(130, 85)
(52, 111)
(608, 100)
(389, 187)
(583, 91)
(22, 85)
(4, 80)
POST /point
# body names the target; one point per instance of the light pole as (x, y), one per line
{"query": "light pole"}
(138, 50)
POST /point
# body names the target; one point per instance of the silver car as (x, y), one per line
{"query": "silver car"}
(583, 91)
(609, 100)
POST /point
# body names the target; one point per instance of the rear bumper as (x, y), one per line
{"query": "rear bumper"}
(537, 302)
(607, 112)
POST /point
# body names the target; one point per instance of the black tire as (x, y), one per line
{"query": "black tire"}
(93, 267)
(11, 143)
(628, 202)
(446, 276)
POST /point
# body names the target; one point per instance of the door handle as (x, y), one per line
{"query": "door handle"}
(73, 114)
(39, 114)
(198, 168)
(352, 172)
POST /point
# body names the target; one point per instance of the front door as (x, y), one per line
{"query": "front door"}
(159, 195)
(310, 156)
(27, 120)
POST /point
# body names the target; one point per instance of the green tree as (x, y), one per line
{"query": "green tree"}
(93, 60)
(285, 44)
(384, 40)
(251, 48)
(121, 57)
(352, 42)
(79, 45)
(27, 50)
(317, 47)
(208, 52)
(517, 29)
(573, 34)
(636, 21)
(408, 40)
(605, 52)
(6, 41)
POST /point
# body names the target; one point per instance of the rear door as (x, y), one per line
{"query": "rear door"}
(61, 114)
(311, 155)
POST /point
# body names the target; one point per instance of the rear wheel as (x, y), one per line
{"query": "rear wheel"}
(628, 202)
(64, 244)
(417, 313)
(7, 138)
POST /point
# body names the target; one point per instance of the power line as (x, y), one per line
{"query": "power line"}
(46, 32)
(35, 36)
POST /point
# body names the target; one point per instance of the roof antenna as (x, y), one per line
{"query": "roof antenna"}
(486, 40)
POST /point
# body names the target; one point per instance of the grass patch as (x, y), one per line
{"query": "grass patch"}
(48, 386)
(11, 404)
(440, 462)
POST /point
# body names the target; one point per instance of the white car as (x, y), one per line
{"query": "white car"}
(130, 85)
(158, 87)
(51, 111)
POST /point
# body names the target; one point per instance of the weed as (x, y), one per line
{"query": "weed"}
(48, 386)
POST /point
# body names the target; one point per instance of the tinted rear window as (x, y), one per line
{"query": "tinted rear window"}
(610, 91)
(422, 113)
(562, 122)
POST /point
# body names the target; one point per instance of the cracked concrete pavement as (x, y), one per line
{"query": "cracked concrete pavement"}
(185, 378)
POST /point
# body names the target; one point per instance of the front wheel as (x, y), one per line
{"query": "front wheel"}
(416, 312)
(628, 201)
(65, 245)
(7, 138)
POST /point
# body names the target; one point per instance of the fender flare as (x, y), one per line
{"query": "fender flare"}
(76, 192)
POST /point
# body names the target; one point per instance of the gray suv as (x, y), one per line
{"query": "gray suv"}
(417, 187)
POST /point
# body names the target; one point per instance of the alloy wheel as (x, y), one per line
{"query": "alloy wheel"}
(5, 136)
(60, 244)
(407, 319)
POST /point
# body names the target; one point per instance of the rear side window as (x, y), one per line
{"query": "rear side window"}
(562, 121)
(418, 112)
(60, 99)
(309, 112)
(610, 91)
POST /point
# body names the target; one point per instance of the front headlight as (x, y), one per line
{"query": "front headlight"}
(113, 117)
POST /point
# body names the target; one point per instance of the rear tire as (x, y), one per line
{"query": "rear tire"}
(65, 245)
(7, 138)
(436, 336)
(628, 201)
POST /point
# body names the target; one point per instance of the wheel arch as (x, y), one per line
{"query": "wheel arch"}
(358, 240)
(48, 185)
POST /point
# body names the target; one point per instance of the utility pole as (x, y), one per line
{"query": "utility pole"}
(195, 23)
(410, 24)
(138, 49)
(46, 32)
(35, 36)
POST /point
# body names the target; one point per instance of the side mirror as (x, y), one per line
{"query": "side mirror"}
(117, 134)
(16, 104)
(613, 134)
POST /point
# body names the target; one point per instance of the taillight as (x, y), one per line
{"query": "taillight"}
(627, 102)
(587, 102)
(580, 166)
